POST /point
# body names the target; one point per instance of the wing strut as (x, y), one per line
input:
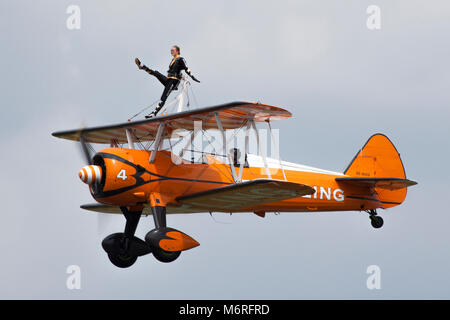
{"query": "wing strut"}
(277, 147)
(263, 154)
(197, 129)
(158, 141)
(129, 138)
(225, 146)
(241, 166)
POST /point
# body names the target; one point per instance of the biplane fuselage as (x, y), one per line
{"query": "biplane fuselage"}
(130, 179)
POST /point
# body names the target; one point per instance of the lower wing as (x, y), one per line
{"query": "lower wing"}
(232, 198)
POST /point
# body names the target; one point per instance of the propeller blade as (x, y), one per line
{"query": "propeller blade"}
(85, 150)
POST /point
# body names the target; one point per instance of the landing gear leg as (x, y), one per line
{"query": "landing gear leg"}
(124, 248)
(375, 219)
(132, 221)
(159, 217)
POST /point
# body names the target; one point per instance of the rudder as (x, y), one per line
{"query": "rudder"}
(379, 158)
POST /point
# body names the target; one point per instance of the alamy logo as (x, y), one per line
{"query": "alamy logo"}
(73, 21)
(374, 19)
(374, 279)
(74, 279)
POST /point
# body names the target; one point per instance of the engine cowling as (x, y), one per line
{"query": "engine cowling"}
(122, 179)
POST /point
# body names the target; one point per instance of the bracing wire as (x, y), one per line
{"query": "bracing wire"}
(187, 96)
(193, 95)
(142, 110)
(217, 221)
(91, 148)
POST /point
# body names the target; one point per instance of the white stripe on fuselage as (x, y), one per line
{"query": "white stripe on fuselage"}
(257, 161)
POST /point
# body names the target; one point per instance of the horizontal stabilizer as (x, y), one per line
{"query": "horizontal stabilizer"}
(244, 195)
(382, 183)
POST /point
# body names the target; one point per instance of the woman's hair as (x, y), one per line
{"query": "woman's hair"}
(178, 48)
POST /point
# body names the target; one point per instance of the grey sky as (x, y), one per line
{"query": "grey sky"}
(341, 81)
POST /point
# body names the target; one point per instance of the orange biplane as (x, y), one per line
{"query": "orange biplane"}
(150, 180)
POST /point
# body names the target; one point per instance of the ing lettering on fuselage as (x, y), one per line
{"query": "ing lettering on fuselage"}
(326, 193)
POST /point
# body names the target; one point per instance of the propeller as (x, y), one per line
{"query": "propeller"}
(103, 220)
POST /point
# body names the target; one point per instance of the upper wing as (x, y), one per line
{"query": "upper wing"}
(240, 196)
(382, 183)
(232, 115)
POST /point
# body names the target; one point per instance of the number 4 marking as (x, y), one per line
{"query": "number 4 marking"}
(122, 175)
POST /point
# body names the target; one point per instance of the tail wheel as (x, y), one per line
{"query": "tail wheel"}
(376, 221)
(165, 256)
(123, 260)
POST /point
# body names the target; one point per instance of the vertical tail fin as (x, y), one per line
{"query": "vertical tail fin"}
(379, 158)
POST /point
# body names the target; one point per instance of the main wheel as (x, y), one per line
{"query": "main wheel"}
(376, 221)
(123, 260)
(165, 256)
